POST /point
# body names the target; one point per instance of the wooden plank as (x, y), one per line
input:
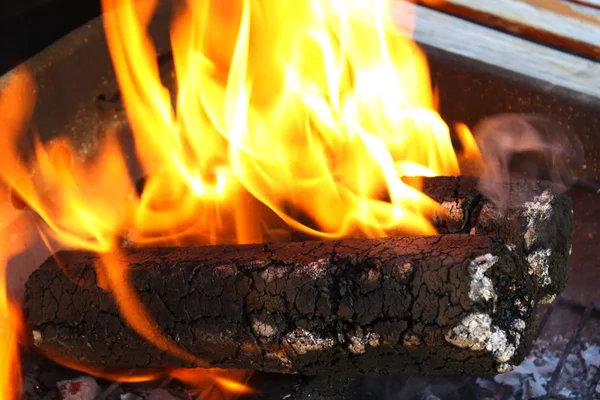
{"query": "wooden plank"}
(473, 41)
(567, 25)
(590, 3)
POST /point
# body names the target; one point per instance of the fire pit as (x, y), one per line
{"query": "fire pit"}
(329, 279)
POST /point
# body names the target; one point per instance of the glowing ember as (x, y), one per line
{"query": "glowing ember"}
(315, 112)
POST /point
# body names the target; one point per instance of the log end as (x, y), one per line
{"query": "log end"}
(537, 220)
(542, 228)
(501, 320)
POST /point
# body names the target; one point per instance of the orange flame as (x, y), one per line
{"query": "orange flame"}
(15, 102)
(321, 107)
(10, 330)
(206, 381)
(127, 377)
(471, 155)
(309, 114)
(133, 310)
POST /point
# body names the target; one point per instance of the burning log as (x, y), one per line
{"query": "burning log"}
(537, 220)
(449, 304)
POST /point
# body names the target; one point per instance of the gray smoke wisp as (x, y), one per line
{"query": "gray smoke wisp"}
(528, 146)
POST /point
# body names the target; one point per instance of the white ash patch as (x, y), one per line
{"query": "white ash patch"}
(498, 345)
(37, 337)
(530, 379)
(504, 367)
(82, 388)
(317, 269)
(519, 325)
(539, 265)
(591, 355)
(357, 345)
(477, 332)
(374, 339)
(538, 210)
(303, 341)
(516, 329)
(547, 299)
(481, 287)
(472, 332)
(358, 342)
(521, 307)
(535, 383)
(270, 274)
(263, 328)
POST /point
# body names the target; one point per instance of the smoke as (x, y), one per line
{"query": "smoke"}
(526, 146)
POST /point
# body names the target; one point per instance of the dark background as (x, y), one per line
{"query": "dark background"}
(29, 26)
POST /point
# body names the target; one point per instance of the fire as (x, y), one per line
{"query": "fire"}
(207, 382)
(471, 155)
(10, 330)
(306, 116)
(11, 119)
(319, 108)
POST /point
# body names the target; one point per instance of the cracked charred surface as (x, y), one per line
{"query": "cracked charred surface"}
(401, 305)
(538, 222)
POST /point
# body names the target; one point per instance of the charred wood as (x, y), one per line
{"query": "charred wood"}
(536, 219)
(450, 304)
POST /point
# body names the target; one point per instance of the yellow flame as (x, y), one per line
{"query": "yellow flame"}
(471, 155)
(306, 116)
(314, 108)
(133, 310)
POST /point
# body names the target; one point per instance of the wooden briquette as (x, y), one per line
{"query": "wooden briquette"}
(444, 304)
(538, 221)
(454, 303)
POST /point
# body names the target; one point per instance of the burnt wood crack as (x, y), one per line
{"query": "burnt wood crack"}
(459, 304)
(462, 302)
